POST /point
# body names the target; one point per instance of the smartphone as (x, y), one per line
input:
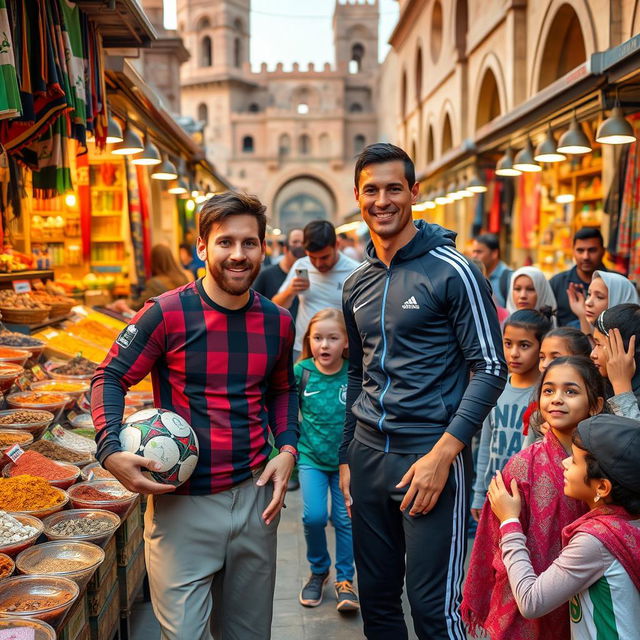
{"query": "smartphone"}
(302, 273)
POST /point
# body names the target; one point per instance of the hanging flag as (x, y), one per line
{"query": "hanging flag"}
(10, 105)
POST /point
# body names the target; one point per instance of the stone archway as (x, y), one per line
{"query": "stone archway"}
(301, 200)
(488, 106)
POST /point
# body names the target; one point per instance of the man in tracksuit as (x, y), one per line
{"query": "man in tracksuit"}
(426, 367)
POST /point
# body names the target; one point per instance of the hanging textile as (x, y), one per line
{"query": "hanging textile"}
(528, 211)
(135, 223)
(144, 190)
(52, 176)
(613, 201)
(493, 225)
(84, 202)
(39, 76)
(96, 101)
(10, 105)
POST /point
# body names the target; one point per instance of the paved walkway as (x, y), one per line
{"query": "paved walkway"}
(291, 621)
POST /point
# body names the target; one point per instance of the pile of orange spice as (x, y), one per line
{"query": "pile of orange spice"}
(28, 493)
(32, 463)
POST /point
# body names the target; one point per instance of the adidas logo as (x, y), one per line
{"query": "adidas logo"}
(411, 303)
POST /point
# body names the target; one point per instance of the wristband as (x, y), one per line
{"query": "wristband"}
(287, 448)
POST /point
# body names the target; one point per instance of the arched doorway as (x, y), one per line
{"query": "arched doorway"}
(564, 48)
(431, 156)
(488, 106)
(447, 135)
(302, 200)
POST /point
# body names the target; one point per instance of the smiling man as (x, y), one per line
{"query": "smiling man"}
(325, 268)
(220, 356)
(420, 320)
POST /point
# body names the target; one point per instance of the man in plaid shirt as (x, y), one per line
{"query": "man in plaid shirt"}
(220, 356)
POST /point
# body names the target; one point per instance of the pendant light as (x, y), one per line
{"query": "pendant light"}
(574, 141)
(463, 190)
(616, 129)
(452, 192)
(430, 203)
(442, 199)
(130, 145)
(179, 188)
(150, 155)
(114, 131)
(505, 165)
(547, 150)
(165, 171)
(524, 160)
(477, 185)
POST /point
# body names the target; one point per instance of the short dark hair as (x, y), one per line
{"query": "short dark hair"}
(231, 203)
(319, 234)
(186, 246)
(626, 318)
(384, 152)
(577, 342)
(588, 233)
(489, 240)
(538, 322)
(620, 496)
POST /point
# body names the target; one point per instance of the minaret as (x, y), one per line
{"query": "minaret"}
(355, 34)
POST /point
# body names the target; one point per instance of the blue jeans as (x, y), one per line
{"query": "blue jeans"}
(315, 485)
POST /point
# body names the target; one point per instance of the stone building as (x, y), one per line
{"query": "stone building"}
(288, 136)
(471, 77)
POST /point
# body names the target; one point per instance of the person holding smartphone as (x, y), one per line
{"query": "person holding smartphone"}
(316, 279)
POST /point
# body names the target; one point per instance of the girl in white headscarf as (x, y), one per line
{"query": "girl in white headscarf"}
(529, 289)
(607, 289)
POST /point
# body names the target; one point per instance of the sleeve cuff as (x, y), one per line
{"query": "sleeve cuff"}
(288, 437)
(512, 525)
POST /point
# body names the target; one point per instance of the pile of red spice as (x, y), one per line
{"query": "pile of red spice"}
(90, 494)
(35, 464)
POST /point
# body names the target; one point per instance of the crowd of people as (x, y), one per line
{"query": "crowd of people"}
(414, 390)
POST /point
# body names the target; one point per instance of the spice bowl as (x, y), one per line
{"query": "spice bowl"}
(46, 598)
(53, 373)
(72, 388)
(55, 559)
(13, 355)
(9, 373)
(52, 401)
(7, 567)
(72, 474)
(43, 513)
(12, 437)
(110, 521)
(37, 629)
(20, 421)
(14, 548)
(98, 471)
(120, 501)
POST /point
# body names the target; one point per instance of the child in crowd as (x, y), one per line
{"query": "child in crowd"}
(607, 289)
(321, 375)
(617, 355)
(570, 391)
(598, 570)
(563, 341)
(502, 434)
(530, 290)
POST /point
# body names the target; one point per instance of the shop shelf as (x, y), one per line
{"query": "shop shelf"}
(589, 171)
(106, 213)
(106, 239)
(589, 198)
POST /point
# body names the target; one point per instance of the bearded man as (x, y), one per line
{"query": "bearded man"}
(220, 356)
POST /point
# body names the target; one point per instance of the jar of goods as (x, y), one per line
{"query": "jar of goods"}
(102, 494)
(11, 437)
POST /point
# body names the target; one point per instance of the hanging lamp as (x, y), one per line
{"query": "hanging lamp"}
(574, 141)
(165, 171)
(130, 145)
(524, 160)
(616, 129)
(505, 165)
(547, 151)
(150, 155)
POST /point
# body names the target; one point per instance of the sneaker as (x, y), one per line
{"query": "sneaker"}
(346, 596)
(311, 594)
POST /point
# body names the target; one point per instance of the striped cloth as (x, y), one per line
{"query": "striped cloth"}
(10, 105)
(228, 373)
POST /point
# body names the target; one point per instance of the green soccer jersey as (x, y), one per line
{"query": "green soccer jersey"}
(322, 405)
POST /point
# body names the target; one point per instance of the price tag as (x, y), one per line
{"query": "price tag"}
(23, 382)
(21, 286)
(38, 373)
(58, 431)
(15, 452)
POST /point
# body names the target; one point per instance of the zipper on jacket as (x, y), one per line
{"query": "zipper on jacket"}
(383, 413)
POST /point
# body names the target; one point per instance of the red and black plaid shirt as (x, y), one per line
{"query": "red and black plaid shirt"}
(228, 373)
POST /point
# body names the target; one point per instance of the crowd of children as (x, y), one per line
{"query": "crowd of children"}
(557, 486)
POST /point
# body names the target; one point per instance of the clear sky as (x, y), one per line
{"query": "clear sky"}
(290, 31)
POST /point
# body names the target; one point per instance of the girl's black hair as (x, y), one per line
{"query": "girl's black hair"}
(539, 322)
(593, 381)
(620, 496)
(577, 341)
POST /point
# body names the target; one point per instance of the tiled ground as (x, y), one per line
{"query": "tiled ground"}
(291, 621)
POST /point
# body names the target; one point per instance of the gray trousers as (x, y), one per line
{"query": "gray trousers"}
(211, 562)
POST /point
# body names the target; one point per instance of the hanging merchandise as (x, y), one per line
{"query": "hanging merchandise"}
(84, 199)
(135, 222)
(144, 192)
(625, 240)
(528, 210)
(10, 106)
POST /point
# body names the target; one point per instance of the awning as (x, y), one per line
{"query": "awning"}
(122, 23)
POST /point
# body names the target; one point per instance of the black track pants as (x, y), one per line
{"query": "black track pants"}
(433, 545)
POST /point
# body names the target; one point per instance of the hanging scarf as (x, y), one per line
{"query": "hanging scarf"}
(528, 213)
(610, 524)
(10, 105)
(144, 191)
(488, 602)
(53, 174)
(135, 222)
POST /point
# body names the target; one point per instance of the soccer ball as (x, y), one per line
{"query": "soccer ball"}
(165, 437)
